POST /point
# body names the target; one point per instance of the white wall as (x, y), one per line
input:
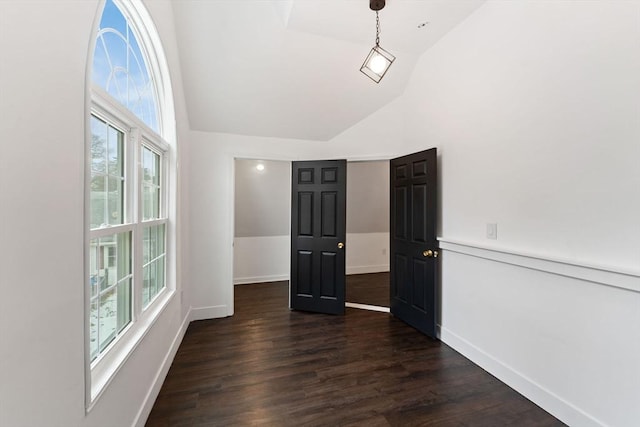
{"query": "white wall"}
(537, 118)
(45, 46)
(261, 259)
(367, 240)
(368, 197)
(262, 198)
(367, 252)
(569, 344)
(261, 221)
(534, 109)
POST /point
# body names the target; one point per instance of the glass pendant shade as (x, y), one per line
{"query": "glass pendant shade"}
(377, 63)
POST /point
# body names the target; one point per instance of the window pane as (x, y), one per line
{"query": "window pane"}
(151, 166)
(124, 304)
(110, 284)
(154, 267)
(123, 256)
(146, 285)
(155, 200)
(146, 256)
(160, 239)
(151, 187)
(114, 201)
(93, 328)
(107, 175)
(160, 274)
(151, 184)
(109, 275)
(153, 285)
(94, 279)
(156, 169)
(107, 319)
(147, 164)
(115, 155)
(147, 202)
(153, 243)
(119, 66)
(98, 145)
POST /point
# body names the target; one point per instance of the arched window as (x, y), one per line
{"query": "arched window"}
(129, 206)
(120, 67)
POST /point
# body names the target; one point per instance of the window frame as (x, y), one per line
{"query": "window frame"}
(162, 218)
(136, 136)
(98, 101)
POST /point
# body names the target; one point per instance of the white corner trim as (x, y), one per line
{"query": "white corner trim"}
(260, 279)
(212, 312)
(154, 390)
(604, 275)
(554, 404)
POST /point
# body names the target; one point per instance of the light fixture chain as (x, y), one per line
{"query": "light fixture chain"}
(377, 29)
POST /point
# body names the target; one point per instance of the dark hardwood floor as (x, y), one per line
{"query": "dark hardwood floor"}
(371, 289)
(271, 366)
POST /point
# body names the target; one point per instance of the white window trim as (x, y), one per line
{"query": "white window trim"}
(137, 134)
(98, 379)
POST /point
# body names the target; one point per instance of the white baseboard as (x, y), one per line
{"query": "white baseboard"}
(212, 312)
(154, 390)
(550, 402)
(364, 269)
(259, 279)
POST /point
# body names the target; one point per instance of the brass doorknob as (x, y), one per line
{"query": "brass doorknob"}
(430, 254)
(340, 245)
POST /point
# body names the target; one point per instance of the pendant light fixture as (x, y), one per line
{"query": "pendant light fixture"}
(379, 60)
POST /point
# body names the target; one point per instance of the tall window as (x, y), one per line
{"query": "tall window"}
(128, 202)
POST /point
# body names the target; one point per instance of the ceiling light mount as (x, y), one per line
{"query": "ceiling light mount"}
(379, 60)
(376, 4)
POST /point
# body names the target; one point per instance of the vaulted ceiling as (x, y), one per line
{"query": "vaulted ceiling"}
(290, 68)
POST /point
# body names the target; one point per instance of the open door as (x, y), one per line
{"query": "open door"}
(413, 246)
(318, 230)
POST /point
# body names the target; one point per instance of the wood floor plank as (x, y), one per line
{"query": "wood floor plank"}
(371, 289)
(269, 366)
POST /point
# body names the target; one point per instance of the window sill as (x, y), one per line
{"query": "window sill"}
(106, 368)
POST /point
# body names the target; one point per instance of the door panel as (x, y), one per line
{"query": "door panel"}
(413, 243)
(329, 212)
(304, 272)
(329, 272)
(305, 214)
(318, 226)
(419, 219)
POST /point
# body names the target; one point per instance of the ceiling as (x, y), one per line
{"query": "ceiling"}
(290, 68)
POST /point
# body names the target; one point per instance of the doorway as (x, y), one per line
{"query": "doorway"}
(412, 221)
(367, 240)
(262, 206)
